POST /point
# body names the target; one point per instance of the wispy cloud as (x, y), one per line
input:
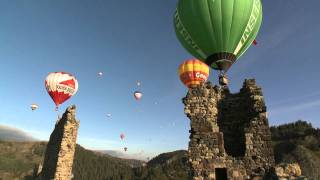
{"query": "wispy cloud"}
(293, 107)
(293, 100)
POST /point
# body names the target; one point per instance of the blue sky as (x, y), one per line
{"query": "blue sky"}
(135, 40)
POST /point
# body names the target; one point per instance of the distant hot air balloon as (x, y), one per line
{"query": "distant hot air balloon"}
(122, 136)
(138, 83)
(217, 32)
(193, 72)
(61, 86)
(125, 149)
(109, 115)
(255, 42)
(137, 95)
(34, 107)
(100, 74)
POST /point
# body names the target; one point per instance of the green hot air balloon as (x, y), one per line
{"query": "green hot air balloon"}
(217, 32)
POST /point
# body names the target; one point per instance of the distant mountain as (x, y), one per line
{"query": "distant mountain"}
(130, 159)
(124, 155)
(13, 134)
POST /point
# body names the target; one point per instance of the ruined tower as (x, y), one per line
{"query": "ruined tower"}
(229, 136)
(60, 150)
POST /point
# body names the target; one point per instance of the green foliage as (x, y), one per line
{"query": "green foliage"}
(90, 165)
(298, 129)
(298, 142)
(166, 166)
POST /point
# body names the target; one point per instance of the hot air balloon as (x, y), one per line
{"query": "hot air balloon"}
(193, 72)
(122, 136)
(125, 149)
(61, 86)
(217, 32)
(255, 42)
(100, 74)
(138, 83)
(137, 95)
(34, 107)
(109, 115)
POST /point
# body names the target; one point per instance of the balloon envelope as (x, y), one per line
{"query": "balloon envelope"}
(122, 136)
(34, 107)
(193, 72)
(61, 86)
(137, 95)
(217, 31)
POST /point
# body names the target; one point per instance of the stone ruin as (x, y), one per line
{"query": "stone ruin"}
(230, 136)
(61, 147)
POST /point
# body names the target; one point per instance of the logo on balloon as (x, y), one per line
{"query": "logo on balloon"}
(249, 28)
(65, 88)
(184, 33)
(200, 75)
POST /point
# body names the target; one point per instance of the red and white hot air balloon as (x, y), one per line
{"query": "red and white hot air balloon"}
(137, 95)
(61, 86)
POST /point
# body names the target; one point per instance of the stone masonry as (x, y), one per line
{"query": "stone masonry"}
(60, 150)
(229, 136)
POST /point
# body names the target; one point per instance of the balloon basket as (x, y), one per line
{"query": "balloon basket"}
(223, 80)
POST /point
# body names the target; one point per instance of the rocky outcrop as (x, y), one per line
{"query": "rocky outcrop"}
(60, 150)
(229, 136)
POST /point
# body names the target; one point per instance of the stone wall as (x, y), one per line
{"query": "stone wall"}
(229, 133)
(60, 150)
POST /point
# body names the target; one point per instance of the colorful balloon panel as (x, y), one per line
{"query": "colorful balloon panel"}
(61, 86)
(193, 72)
(217, 31)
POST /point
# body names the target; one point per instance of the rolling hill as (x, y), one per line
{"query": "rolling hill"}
(293, 142)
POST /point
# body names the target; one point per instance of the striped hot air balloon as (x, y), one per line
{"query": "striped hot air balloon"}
(217, 32)
(193, 72)
(61, 86)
